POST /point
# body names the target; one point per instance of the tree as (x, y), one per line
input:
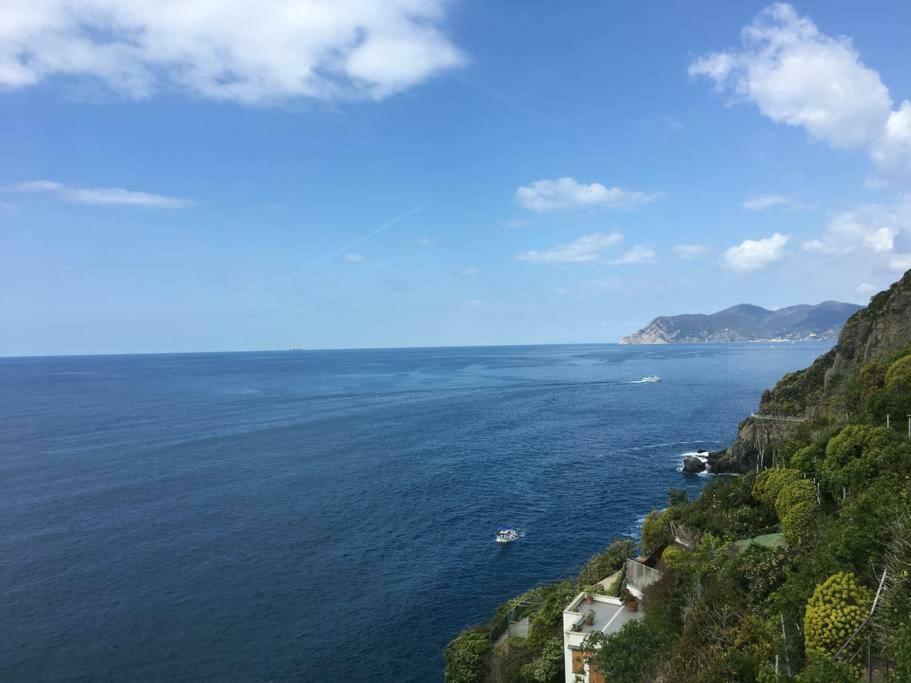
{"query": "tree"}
(799, 522)
(823, 669)
(547, 667)
(627, 655)
(769, 483)
(466, 657)
(677, 497)
(837, 608)
(807, 459)
(792, 493)
(656, 530)
(849, 454)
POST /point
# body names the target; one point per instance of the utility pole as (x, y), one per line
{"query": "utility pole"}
(909, 426)
(887, 421)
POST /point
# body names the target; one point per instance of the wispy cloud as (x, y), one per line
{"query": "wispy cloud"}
(762, 202)
(231, 50)
(384, 226)
(353, 258)
(581, 250)
(765, 201)
(689, 251)
(865, 288)
(636, 254)
(752, 255)
(100, 195)
(543, 196)
(467, 272)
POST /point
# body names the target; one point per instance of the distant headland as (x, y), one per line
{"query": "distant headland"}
(747, 323)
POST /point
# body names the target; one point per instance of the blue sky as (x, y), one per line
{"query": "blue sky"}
(416, 173)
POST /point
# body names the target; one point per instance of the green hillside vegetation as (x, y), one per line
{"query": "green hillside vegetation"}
(833, 515)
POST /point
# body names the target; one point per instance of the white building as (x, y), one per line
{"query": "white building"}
(607, 614)
(609, 617)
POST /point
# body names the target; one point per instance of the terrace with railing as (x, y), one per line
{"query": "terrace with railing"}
(639, 577)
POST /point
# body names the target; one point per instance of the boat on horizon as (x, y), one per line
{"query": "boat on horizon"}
(650, 379)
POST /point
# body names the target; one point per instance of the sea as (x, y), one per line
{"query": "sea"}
(329, 515)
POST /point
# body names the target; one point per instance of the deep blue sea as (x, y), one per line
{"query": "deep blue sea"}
(324, 515)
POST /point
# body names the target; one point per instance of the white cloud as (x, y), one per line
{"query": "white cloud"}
(353, 258)
(562, 291)
(636, 254)
(581, 250)
(865, 288)
(425, 242)
(875, 227)
(801, 77)
(752, 255)
(101, 195)
(228, 50)
(566, 193)
(765, 201)
(689, 251)
(467, 272)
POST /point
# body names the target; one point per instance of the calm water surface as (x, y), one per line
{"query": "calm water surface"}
(304, 514)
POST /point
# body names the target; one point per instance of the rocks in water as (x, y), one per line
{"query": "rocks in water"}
(693, 464)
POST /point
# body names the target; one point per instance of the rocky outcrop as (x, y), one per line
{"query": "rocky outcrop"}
(747, 323)
(693, 464)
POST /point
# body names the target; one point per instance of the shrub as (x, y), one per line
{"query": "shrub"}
(769, 483)
(851, 455)
(548, 665)
(792, 493)
(838, 606)
(673, 557)
(760, 571)
(614, 588)
(606, 563)
(899, 648)
(627, 655)
(466, 657)
(553, 601)
(823, 669)
(852, 442)
(807, 459)
(656, 529)
(726, 509)
(899, 374)
(799, 522)
(677, 497)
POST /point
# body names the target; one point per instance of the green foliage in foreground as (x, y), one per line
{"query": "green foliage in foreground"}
(823, 669)
(837, 608)
(628, 655)
(465, 657)
(726, 610)
(604, 564)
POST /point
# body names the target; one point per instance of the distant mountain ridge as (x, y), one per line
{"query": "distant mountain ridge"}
(746, 322)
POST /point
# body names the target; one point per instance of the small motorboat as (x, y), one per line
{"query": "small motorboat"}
(506, 534)
(650, 379)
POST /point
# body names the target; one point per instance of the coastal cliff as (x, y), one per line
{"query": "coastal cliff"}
(768, 576)
(833, 389)
(747, 323)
